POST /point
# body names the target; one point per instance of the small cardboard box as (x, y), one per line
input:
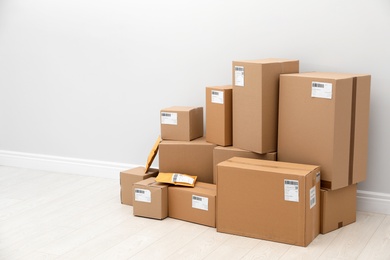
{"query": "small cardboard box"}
(338, 208)
(323, 120)
(181, 123)
(221, 154)
(193, 158)
(128, 177)
(219, 115)
(195, 205)
(255, 102)
(150, 199)
(269, 200)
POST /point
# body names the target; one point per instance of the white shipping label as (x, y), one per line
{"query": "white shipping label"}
(239, 76)
(321, 90)
(318, 177)
(181, 178)
(168, 118)
(142, 195)
(200, 202)
(291, 190)
(216, 96)
(313, 197)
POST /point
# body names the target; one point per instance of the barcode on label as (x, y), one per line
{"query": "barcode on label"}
(140, 191)
(318, 85)
(174, 177)
(196, 198)
(215, 93)
(290, 182)
(166, 114)
(239, 68)
(313, 197)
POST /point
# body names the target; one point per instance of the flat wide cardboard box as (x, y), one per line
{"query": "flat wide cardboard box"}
(219, 115)
(323, 120)
(181, 123)
(150, 199)
(221, 154)
(195, 204)
(189, 157)
(269, 200)
(255, 102)
(131, 176)
(338, 208)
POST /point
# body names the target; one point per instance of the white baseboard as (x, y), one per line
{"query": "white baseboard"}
(63, 164)
(373, 202)
(366, 200)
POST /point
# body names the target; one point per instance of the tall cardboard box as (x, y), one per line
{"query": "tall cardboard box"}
(219, 115)
(131, 176)
(221, 154)
(255, 102)
(181, 123)
(189, 157)
(195, 204)
(269, 200)
(150, 199)
(338, 208)
(323, 120)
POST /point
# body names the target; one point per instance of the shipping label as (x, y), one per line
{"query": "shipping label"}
(142, 195)
(313, 197)
(291, 190)
(182, 178)
(168, 118)
(321, 90)
(239, 76)
(199, 202)
(217, 97)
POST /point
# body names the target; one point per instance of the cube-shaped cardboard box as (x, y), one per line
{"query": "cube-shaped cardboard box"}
(181, 123)
(323, 120)
(255, 102)
(269, 200)
(194, 158)
(219, 115)
(338, 208)
(221, 154)
(150, 199)
(195, 204)
(131, 176)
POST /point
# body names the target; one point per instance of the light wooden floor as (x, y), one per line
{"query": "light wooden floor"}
(48, 215)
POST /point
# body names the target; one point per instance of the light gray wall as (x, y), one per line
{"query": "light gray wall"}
(86, 79)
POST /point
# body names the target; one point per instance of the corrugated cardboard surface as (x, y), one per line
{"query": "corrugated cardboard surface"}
(221, 154)
(181, 203)
(158, 207)
(189, 124)
(193, 158)
(131, 176)
(332, 132)
(338, 208)
(251, 200)
(219, 116)
(255, 105)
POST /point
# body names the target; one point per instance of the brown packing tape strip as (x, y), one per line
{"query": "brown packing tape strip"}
(352, 141)
(152, 154)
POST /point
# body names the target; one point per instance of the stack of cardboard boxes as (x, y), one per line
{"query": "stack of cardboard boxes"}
(280, 160)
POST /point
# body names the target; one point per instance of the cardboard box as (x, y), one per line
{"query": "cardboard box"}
(255, 102)
(131, 176)
(219, 115)
(221, 154)
(338, 208)
(150, 199)
(194, 158)
(323, 120)
(269, 200)
(195, 205)
(181, 123)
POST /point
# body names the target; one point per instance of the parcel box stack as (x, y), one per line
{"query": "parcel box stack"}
(280, 159)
